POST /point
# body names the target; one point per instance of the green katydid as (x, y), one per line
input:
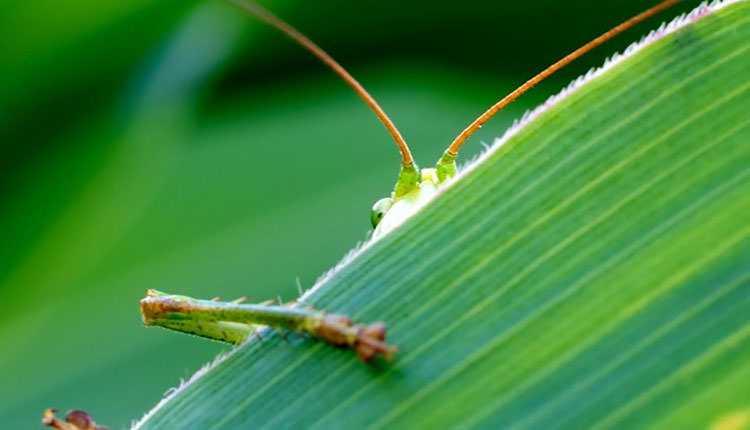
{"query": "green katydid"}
(234, 322)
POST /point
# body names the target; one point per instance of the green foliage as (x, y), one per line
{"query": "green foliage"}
(591, 272)
(115, 182)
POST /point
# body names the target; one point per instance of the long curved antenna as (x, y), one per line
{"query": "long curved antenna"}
(276, 22)
(452, 150)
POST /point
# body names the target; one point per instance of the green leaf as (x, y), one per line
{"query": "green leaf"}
(589, 271)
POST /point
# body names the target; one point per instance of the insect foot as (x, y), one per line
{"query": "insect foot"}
(368, 341)
(74, 420)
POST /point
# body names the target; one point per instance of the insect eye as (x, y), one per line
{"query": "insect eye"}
(379, 209)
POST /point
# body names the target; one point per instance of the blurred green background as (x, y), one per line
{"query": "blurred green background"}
(183, 146)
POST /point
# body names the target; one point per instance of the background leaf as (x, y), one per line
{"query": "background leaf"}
(589, 272)
(130, 137)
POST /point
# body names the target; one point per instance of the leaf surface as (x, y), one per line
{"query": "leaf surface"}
(591, 271)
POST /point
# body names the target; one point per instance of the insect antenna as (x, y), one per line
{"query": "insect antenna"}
(450, 154)
(279, 24)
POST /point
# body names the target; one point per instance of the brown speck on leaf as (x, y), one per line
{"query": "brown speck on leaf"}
(74, 420)
(81, 419)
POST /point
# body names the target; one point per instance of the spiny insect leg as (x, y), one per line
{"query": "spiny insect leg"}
(234, 322)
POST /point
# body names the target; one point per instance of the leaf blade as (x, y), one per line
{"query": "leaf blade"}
(573, 240)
